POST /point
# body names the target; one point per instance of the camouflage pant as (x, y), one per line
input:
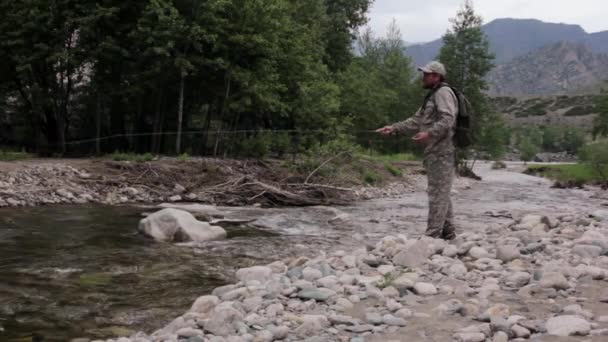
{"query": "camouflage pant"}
(440, 174)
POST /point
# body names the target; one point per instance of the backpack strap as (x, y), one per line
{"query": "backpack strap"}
(434, 90)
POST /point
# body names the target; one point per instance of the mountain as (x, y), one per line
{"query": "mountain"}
(510, 38)
(560, 68)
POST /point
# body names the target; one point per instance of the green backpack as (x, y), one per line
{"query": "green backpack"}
(463, 132)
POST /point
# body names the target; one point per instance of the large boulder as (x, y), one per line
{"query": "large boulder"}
(172, 225)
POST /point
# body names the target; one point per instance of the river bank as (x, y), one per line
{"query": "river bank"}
(530, 262)
(203, 180)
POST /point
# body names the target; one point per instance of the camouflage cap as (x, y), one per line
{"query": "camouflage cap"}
(433, 67)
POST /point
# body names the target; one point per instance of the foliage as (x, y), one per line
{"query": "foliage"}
(596, 157)
(371, 177)
(119, 156)
(528, 149)
(13, 156)
(578, 173)
(467, 58)
(600, 124)
(393, 170)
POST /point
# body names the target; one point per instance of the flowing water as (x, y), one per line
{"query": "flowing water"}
(68, 272)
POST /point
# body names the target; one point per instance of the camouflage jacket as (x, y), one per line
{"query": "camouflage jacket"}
(437, 118)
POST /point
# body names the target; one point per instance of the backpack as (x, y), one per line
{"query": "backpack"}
(463, 132)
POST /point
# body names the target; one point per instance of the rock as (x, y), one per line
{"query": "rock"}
(478, 252)
(391, 320)
(520, 332)
(280, 332)
(414, 256)
(311, 274)
(450, 251)
(500, 336)
(404, 313)
(498, 310)
(195, 209)
(64, 193)
(172, 225)
(311, 325)
(257, 273)
(535, 326)
(263, 336)
(457, 270)
(189, 332)
(554, 280)
(601, 215)
(594, 238)
(175, 198)
(451, 307)
(344, 304)
(386, 269)
(568, 326)
(577, 310)
(518, 279)
(587, 251)
(425, 289)
(204, 304)
(469, 337)
(360, 328)
(390, 292)
(320, 294)
(405, 281)
(373, 318)
(178, 189)
(278, 267)
(223, 320)
(507, 253)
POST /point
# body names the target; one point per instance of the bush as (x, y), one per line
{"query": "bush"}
(580, 111)
(528, 150)
(257, 146)
(370, 177)
(596, 156)
(118, 156)
(13, 156)
(393, 170)
(499, 165)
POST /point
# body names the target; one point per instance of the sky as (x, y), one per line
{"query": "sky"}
(426, 20)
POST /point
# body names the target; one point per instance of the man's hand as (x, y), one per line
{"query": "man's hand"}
(421, 137)
(386, 130)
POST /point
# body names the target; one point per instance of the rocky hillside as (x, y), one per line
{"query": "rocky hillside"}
(573, 111)
(561, 68)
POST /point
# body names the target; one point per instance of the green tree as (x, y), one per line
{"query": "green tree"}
(466, 55)
(600, 123)
(527, 149)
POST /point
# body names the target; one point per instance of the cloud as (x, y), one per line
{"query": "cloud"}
(421, 21)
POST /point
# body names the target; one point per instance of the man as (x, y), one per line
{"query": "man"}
(434, 125)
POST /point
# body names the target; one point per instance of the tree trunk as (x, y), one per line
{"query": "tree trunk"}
(156, 124)
(222, 111)
(98, 125)
(180, 113)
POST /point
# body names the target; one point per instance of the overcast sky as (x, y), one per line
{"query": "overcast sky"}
(426, 20)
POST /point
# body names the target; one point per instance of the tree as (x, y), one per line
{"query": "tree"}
(527, 149)
(467, 58)
(600, 123)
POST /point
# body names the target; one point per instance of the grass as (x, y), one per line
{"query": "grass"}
(118, 156)
(371, 177)
(567, 172)
(13, 156)
(393, 170)
(390, 158)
